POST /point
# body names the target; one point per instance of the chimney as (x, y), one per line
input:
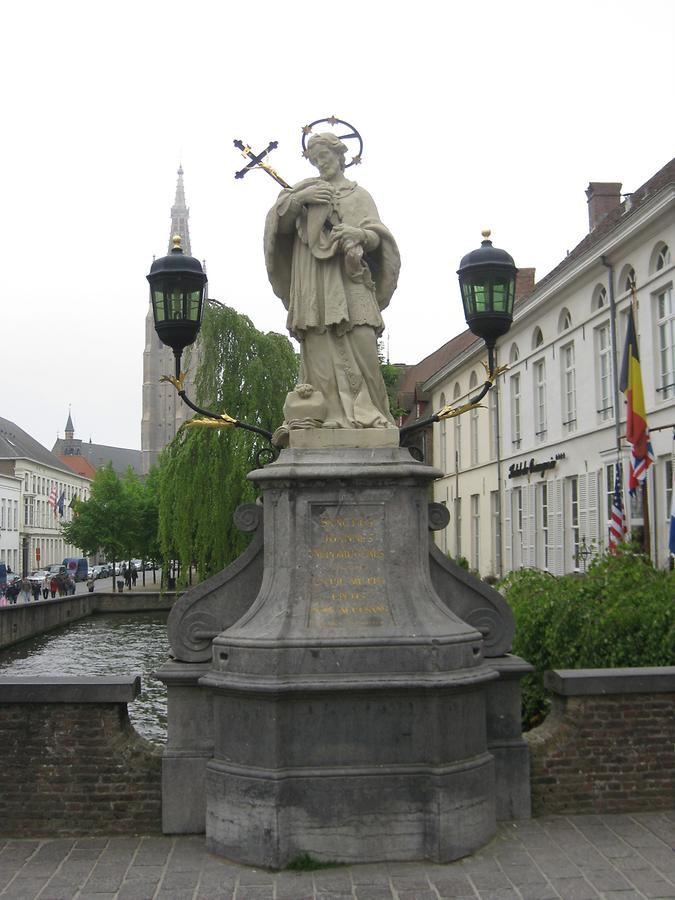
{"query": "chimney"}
(603, 197)
(524, 283)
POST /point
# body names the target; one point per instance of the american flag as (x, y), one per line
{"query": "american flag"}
(52, 499)
(617, 521)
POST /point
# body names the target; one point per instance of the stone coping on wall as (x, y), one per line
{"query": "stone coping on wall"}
(70, 689)
(586, 682)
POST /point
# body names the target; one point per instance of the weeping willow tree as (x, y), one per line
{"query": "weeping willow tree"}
(202, 473)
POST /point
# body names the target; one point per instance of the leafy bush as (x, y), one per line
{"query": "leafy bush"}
(620, 613)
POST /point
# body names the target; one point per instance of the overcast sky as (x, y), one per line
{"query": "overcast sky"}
(476, 114)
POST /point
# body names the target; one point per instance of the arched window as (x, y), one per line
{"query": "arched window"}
(660, 257)
(537, 338)
(514, 354)
(473, 423)
(564, 320)
(599, 297)
(627, 279)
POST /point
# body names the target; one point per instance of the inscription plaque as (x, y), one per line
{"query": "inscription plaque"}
(347, 565)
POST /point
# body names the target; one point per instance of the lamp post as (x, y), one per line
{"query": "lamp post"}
(487, 281)
(177, 291)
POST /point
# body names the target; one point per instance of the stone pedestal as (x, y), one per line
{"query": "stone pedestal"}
(349, 702)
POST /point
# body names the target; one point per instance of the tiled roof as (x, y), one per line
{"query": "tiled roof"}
(100, 455)
(439, 358)
(613, 219)
(79, 464)
(15, 443)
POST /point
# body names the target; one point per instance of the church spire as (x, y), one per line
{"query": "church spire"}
(179, 217)
(70, 430)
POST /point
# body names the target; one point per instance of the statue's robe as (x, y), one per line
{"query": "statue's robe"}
(334, 299)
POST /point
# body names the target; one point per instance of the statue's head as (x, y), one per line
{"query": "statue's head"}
(326, 141)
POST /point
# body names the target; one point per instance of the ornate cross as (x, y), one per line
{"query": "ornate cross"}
(257, 161)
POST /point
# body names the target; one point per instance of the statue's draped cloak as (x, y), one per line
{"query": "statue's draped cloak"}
(319, 294)
(334, 307)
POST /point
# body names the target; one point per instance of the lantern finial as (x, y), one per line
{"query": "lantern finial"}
(486, 232)
(176, 241)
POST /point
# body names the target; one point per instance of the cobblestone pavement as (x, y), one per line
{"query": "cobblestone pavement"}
(619, 857)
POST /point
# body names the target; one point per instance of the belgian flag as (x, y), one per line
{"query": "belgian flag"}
(637, 433)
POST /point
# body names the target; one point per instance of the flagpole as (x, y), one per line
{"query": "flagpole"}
(646, 525)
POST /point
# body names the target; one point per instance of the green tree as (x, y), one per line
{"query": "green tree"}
(101, 522)
(202, 473)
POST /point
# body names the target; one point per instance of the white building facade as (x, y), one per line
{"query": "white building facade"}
(10, 506)
(38, 473)
(529, 480)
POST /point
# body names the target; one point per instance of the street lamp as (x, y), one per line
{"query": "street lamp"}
(487, 281)
(177, 291)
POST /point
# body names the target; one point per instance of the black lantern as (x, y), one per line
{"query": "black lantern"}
(177, 289)
(487, 279)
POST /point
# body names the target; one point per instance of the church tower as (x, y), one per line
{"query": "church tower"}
(163, 410)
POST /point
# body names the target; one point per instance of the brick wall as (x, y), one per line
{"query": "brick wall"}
(608, 744)
(72, 763)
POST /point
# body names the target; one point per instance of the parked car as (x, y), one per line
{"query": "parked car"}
(55, 569)
(101, 571)
(38, 576)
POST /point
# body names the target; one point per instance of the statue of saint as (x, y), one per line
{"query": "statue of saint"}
(335, 267)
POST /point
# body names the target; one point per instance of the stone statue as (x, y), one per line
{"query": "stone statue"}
(335, 267)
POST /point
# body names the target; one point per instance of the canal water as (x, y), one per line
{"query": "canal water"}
(119, 644)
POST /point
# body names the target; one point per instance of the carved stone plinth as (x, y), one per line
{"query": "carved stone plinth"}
(349, 702)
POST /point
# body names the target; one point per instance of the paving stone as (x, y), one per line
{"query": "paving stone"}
(255, 892)
(83, 895)
(185, 894)
(416, 895)
(538, 892)
(410, 883)
(519, 875)
(336, 895)
(503, 893)
(59, 891)
(182, 880)
(23, 889)
(255, 876)
(144, 873)
(91, 843)
(607, 880)
(573, 889)
(370, 892)
(458, 884)
(139, 890)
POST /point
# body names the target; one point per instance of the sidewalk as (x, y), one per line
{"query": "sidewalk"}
(621, 857)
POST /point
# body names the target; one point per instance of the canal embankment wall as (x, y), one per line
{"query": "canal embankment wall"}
(72, 761)
(22, 621)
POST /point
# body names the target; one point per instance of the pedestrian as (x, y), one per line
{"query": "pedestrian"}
(35, 587)
(91, 582)
(45, 587)
(70, 584)
(134, 574)
(120, 585)
(127, 576)
(53, 586)
(25, 590)
(13, 591)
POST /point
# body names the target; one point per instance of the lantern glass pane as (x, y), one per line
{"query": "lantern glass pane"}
(158, 303)
(175, 304)
(501, 292)
(194, 304)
